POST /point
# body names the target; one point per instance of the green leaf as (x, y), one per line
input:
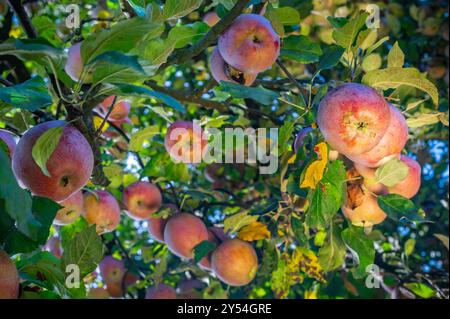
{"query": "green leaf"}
(235, 222)
(410, 244)
(396, 57)
(362, 248)
(302, 49)
(139, 91)
(44, 147)
(259, 94)
(393, 78)
(44, 211)
(137, 139)
(275, 21)
(176, 9)
(330, 57)
(183, 35)
(326, 200)
(30, 95)
(285, 135)
(122, 37)
(421, 290)
(116, 67)
(85, 250)
(399, 208)
(288, 15)
(37, 50)
(346, 35)
(332, 253)
(299, 229)
(392, 173)
(203, 249)
(423, 119)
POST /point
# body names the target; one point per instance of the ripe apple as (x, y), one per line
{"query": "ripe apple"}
(217, 236)
(9, 140)
(185, 142)
(101, 209)
(111, 269)
(142, 199)
(53, 245)
(361, 208)
(250, 44)
(73, 208)
(211, 18)
(235, 262)
(156, 225)
(75, 66)
(222, 71)
(410, 186)
(120, 111)
(390, 145)
(183, 232)
(116, 289)
(353, 118)
(70, 164)
(9, 277)
(161, 291)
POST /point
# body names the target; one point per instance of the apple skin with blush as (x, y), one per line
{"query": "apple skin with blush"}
(183, 232)
(70, 165)
(410, 186)
(73, 207)
(161, 291)
(75, 66)
(211, 18)
(103, 210)
(120, 111)
(112, 269)
(222, 71)
(142, 199)
(9, 277)
(353, 118)
(250, 44)
(185, 142)
(10, 141)
(390, 145)
(156, 225)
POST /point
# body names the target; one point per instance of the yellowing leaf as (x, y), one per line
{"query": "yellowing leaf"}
(310, 294)
(237, 221)
(98, 122)
(316, 169)
(254, 231)
(292, 159)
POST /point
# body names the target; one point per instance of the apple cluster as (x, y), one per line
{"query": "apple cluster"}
(249, 46)
(359, 123)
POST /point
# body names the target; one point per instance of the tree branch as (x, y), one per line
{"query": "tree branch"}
(183, 55)
(25, 21)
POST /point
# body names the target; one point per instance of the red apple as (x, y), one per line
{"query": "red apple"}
(299, 139)
(183, 232)
(111, 269)
(98, 293)
(222, 71)
(9, 140)
(75, 66)
(390, 145)
(235, 262)
(185, 142)
(53, 245)
(410, 186)
(73, 208)
(211, 18)
(353, 118)
(161, 291)
(156, 225)
(142, 199)
(70, 164)
(120, 111)
(191, 289)
(103, 210)
(116, 289)
(9, 278)
(250, 44)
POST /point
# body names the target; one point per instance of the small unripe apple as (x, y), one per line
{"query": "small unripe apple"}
(70, 165)
(111, 269)
(9, 277)
(185, 142)
(75, 67)
(120, 111)
(72, 209)
(183, 232)
(250, 44)
(103, 210)
(410, 186)
(353, 118)
(211, 18)
(9, 140)
(390, 145)
(235, 262)
(142, 199)
(362, 208)
(161, 291)
(222, 71)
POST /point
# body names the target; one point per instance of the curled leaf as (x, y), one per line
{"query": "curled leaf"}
(254, 231)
